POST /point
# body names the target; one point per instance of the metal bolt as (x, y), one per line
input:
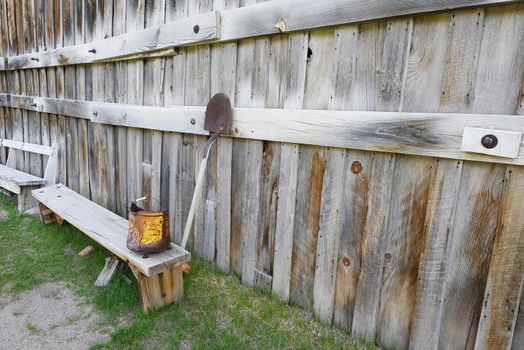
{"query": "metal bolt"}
(196, 28)
(193, 121)
(35, 59)
(185, 143)
(387, 256)
(92, 51)
(356, 167)
(33, 104)
(489, 141)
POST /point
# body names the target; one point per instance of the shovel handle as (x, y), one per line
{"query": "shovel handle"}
(198, 192)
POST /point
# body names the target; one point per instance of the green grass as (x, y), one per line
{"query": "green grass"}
(216, 313)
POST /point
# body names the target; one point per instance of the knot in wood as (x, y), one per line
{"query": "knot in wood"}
(346, 262)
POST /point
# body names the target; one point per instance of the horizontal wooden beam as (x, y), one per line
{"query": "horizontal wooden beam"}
(265, 18)
(424, 134)
(28, 147)
(177, 33)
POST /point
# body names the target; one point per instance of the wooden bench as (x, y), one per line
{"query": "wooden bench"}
(23, 183)
(159, 275)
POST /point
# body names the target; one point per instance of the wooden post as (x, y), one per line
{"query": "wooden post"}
(25, 201)
(160, 289)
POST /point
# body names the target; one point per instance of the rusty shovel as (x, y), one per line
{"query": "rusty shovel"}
(218, 122)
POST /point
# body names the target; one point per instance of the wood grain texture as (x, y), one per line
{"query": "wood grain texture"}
(440, 211)
(506, 271)
(235, 24)
(310, 175)
(285, 51)
(377, 85)
(360, 206)
(428, 134)
(153, 38)
(223, 79)
(105, 227)
(502, 44)
(470, 241)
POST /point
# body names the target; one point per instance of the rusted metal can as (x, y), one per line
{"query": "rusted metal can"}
(148, 230)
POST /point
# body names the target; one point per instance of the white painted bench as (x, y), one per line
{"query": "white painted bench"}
(23, 183)
(159, 275)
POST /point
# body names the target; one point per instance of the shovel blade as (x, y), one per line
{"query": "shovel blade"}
(218, 114)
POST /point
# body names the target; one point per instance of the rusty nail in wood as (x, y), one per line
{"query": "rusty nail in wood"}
(196, 28)
(489, 141)
(356, 167)
(346, 262)
(35, 59)
(92, 51)
(193, 121)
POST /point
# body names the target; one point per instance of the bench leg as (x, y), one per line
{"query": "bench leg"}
(161, 289)
(47, 216)
(25, 200)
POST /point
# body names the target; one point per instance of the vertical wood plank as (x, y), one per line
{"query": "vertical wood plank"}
(498, 88)
(120, 133)
(506, 271)
(253, 161)
(174, 91)
(154, 95)
(287, 89)
(382, 47)
(318, 95)
(135, 11)
(354, 189)
(197, 93)
(223, 78)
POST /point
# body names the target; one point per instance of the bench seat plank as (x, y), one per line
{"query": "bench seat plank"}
(106, 228)
(18, 177)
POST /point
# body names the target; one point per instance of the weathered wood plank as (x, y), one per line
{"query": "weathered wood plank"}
(174, 92)
(120, 96)
(459, 35)
(287, 90)
(318, 94)
(470, 240)
(135, 12)
(498, 88)
(235, 24)
(154, 72)
(26, 147)
(223, 79)
(177, 33)
(440, 210)
(428, 134)
(105, 227)
(506, 270)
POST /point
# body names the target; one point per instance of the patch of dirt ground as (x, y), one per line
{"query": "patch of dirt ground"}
(49, 317)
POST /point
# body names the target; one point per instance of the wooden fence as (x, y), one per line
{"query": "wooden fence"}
(375, 221)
